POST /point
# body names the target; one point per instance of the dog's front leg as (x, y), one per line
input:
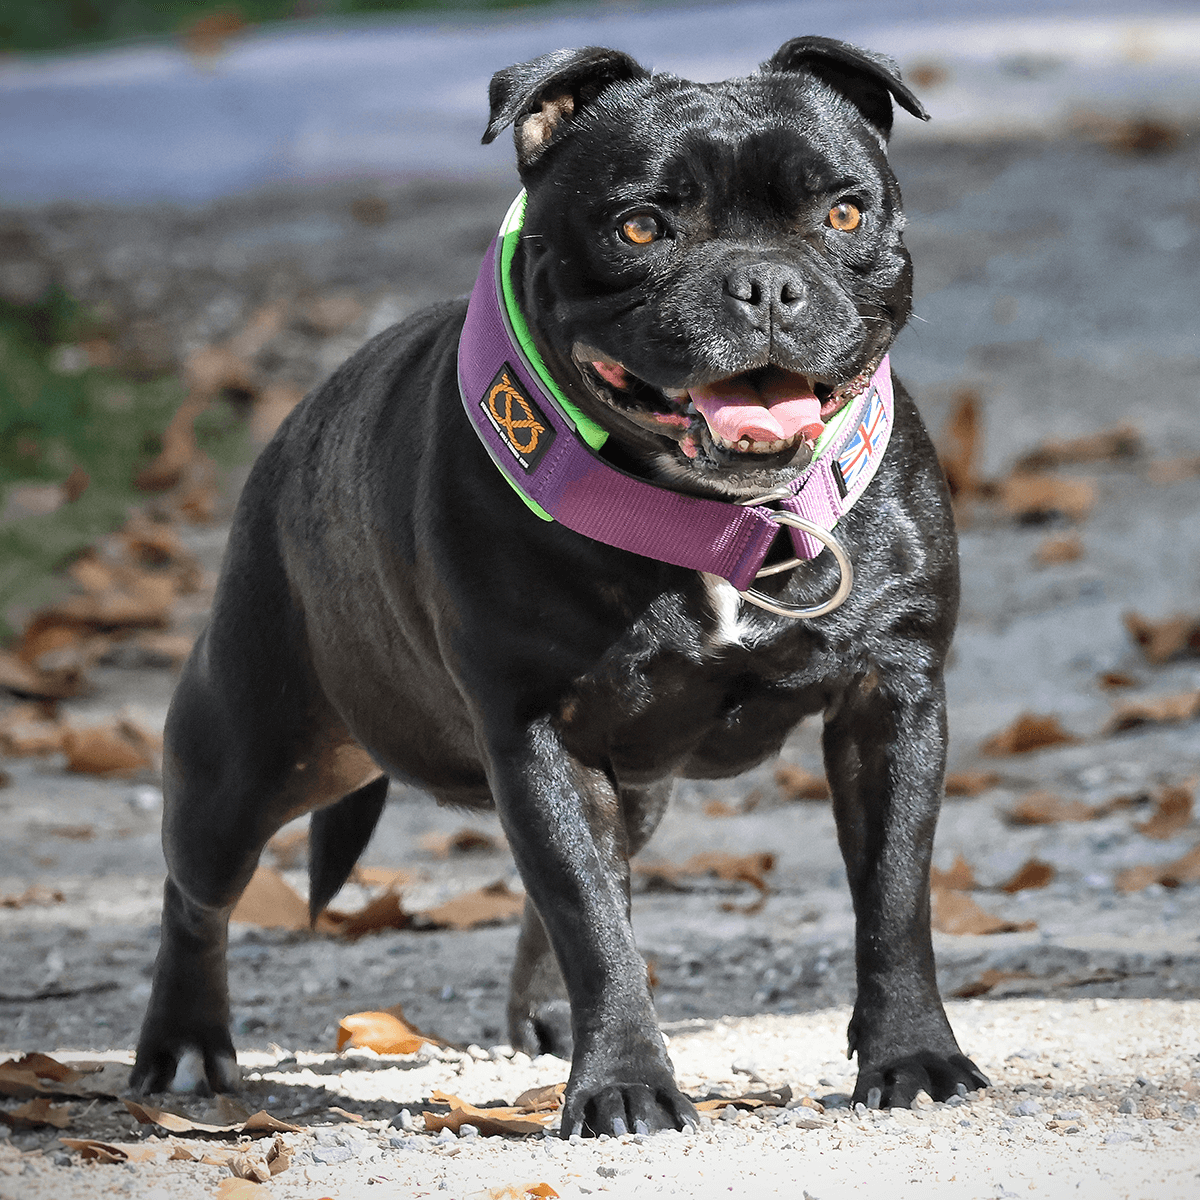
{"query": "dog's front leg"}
(885, 748)
(563, 821)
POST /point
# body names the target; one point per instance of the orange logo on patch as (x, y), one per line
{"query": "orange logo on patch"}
(517, 419)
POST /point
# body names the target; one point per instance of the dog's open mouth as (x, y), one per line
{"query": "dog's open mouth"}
(767, 413)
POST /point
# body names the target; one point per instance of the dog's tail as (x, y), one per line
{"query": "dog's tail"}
(337, 835)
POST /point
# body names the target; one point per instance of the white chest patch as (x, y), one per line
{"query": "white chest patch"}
(730, 629)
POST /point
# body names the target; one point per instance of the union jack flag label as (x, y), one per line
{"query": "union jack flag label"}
(865, 446)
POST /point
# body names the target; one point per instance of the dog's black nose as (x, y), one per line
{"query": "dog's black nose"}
(766, 295)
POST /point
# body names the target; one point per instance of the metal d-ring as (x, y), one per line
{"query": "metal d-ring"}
(845, 567)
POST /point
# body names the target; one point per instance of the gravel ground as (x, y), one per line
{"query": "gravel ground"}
(1047, 288)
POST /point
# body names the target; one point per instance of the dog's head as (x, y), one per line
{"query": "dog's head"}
(710, 268)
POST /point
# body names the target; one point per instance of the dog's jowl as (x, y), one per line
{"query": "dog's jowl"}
(647, 501)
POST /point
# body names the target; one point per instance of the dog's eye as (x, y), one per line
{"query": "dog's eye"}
(642, 229)
(844, 216)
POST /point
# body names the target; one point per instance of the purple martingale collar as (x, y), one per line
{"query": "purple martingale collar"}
(536, 446)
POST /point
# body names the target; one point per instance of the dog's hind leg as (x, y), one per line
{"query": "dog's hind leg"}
(539, 1013)
(885, 747)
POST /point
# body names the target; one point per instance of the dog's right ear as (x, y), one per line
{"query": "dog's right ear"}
(539, 97)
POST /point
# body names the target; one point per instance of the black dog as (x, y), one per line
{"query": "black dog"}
(390, 607)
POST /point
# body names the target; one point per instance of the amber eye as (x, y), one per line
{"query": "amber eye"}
(642, 229)
(844, 216)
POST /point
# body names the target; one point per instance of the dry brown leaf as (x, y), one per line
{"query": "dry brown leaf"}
(36, 1074)
(39, 1111)
(23, 680)
(1113, 680)
(207, 36)
(1030, 497)
(163, 649)
(718, 808)
(547, 1098)
(1172, 812)
(121, 748)
(960, 877)
(72, 833)
(231, 1118)
(234, 1188)
(970, 783)
(491, 905)
(1032, 874)
(271, 409)
(987, 980)
(1153, 711)
(1163, 640)
(270, 902)
(387, 1031)
(34, 894)
(1183, 870)
(1108, 445)
(1028, 732)
(391, 878)
(178, 447)
(279, 1156)
(959, 451)
(771, 1098)
(249, 1166)
(1134, 879)
(798, 784)
(331, 312)
(1173, 470)
(464, 841)
(1045, 808)
(491, 1122)
(383, 912)
(91, 1150)
(955, 912)
(1059, 548)
(27, 730)
(522, 1191)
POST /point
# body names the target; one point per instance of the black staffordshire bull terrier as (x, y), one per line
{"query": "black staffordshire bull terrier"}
(709, 274)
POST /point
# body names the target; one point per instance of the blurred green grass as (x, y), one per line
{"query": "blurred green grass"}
(58, 415)
(48, 25)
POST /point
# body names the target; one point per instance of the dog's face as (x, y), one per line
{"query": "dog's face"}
(711, 268)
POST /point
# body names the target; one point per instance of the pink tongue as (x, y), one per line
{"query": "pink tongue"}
(784, 408)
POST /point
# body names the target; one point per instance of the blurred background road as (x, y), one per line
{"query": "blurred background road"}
(197, 228)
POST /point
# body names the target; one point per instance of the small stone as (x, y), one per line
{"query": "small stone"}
(1027, 1108)
(1116, 1137)
(606, 1171)
(1068, 1116)
(402, 1120)
(407, 1142)
(327, 1155)
(1128, 1105)
(468, 1131)
(446, 1134)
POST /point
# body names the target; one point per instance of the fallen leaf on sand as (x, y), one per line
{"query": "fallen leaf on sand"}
(383, 912)
(36, 1074)
(464, 841)
(772, 1098)
(270, 409)
(1163, 640)
(121, 748)
(381, 877)
(955, 912)
(1045, 808)
(798, 784)
(23, 680)
(718, 808)
(39, 1111)
(1034, 497)
(959, 451)
(35, 894)
(1156, 710)
(1059, 548)
(1030, 731)
(734, 868)
(27, 730)
(91, 1150)
(491, 1122)
(279, 1156)
(1173, 470)
(1173, 874)
(960, 877)
(234, 1188)
(491, 905)
(1172, 812)
(249, 1166)
(970, 783)
(547, 1098)
(258, 1123)
(1107, 445)
(522, 1191)
(1033, 874)
(387, 1031)
(1113, 680)
(270, 902)
(987, 981)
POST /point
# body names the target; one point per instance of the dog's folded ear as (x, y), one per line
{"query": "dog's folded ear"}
(537, 97)
(866, 78)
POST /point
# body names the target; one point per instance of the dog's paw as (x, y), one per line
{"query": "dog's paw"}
(895, 1084)
(543, 1028)
(184, 1068)
(618, 1108)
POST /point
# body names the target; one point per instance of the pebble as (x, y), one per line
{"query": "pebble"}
(1128, 1105)
(1117, 1136)
(327, 1155)
(1027, 1108)
(409, 1142)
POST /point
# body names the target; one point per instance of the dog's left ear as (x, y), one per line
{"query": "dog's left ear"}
(538, 97)
(868, 79)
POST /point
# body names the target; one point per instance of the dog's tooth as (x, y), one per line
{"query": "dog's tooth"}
(744, 443)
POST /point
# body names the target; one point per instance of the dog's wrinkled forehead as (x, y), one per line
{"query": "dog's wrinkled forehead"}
(808, 88)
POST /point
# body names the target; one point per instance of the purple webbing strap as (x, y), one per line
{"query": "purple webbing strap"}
(535, 445)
